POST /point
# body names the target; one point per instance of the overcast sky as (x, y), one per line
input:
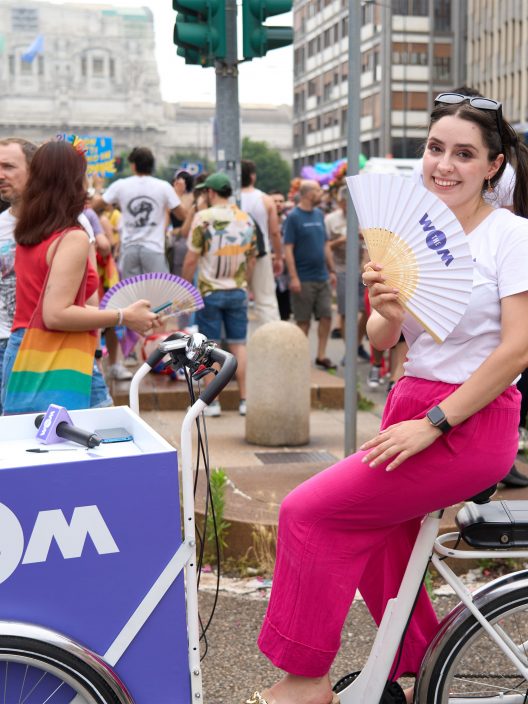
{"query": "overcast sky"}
(265, 80)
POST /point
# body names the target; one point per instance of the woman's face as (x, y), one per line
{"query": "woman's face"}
(456, 162)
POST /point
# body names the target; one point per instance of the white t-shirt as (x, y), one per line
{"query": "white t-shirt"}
(499, 246)
(7, 273)
(143, 201)
(500, 197)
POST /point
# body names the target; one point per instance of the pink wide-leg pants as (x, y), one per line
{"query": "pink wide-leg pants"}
(353, 527)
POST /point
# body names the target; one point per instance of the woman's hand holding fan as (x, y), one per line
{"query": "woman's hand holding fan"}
(383, 297)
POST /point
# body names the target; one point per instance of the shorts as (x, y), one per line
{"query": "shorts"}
(136, 259)
(228, 308)
(314, 298)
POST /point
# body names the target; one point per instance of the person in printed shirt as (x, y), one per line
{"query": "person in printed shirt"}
(223, 245)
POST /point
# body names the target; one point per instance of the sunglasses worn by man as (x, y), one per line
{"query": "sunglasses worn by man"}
(476, 102)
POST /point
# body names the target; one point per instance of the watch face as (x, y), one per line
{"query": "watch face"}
(436, 415)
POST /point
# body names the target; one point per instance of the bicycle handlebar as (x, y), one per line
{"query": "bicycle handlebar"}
(193, 351)
(228, 367)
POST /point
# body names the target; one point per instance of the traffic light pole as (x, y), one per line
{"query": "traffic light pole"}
(227, 107)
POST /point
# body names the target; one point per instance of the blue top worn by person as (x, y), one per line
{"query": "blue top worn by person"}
(305, 230)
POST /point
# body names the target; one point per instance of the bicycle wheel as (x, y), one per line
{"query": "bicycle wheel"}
(35, 672)
(469, 667)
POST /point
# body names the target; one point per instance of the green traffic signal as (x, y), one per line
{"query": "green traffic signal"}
(258, 39)
(200, 30)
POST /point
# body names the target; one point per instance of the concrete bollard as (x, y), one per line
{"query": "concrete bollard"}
(278, 386)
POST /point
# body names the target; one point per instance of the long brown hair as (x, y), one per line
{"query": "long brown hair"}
(55, 193)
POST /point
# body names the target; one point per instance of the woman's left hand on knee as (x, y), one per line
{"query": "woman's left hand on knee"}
(399, 442)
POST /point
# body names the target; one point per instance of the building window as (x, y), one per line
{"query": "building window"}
(83, 67)
(442, 68)
(112, 68)
(98, 67)
(40, 60)
(344, 27)
(26, 68)
(11, 65)
(412, 8)
(442, 15)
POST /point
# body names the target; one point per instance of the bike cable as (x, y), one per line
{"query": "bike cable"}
(209, 516)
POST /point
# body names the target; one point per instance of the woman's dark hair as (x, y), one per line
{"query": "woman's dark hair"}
(507, 143)
(187, 178)
(55, 193)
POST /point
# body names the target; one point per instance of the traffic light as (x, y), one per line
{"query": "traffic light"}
(258, 38)
(200, 30)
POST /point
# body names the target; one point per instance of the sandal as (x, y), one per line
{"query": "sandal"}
(325, 363)
(257, 698)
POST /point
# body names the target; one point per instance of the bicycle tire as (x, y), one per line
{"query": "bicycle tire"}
(470, 667)
(34, 672)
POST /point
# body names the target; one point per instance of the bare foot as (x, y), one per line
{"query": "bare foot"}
(300, 690)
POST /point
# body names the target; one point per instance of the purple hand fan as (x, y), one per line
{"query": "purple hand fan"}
(168, 294)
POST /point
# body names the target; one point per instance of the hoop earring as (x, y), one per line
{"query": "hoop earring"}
(490, 187)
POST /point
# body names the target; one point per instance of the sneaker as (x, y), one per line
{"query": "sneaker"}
(131, 360)
(242, 407)
(523, 439)
(373, 379)
(325, 363)
(119, 372)
(213, 410)
(336, 334)
(363, 354)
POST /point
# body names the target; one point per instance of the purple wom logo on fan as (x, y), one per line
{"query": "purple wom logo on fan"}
(436, 240)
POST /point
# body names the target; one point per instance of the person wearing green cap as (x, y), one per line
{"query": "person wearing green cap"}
(222, 245)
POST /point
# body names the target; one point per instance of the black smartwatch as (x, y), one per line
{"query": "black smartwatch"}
(437, 418)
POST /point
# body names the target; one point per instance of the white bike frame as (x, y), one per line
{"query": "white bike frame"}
(370, 683)
(187, 552)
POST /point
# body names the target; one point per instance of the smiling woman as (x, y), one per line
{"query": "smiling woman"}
(426, 456)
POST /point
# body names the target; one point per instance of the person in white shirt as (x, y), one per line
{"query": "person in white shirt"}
(269, 261)
(449, 429)
(144, 202)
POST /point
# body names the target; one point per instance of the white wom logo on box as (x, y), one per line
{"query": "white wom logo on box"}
(49, 525)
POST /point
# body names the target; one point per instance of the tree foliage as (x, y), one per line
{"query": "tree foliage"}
(273, 172)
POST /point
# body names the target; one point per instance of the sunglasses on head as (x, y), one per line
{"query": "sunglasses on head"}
(475, 102)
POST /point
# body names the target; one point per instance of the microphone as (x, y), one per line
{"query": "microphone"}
(56, 425)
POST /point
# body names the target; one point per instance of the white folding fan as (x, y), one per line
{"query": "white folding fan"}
(421, 245)
(168, 294)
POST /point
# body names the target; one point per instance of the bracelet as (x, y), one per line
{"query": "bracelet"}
(119, 317)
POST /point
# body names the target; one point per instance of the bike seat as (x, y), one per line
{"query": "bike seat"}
(494, 525)
(483, 497)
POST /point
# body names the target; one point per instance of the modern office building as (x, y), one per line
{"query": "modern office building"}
(497, 51)
(410, 50)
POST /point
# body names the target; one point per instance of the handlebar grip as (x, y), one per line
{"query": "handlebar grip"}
(228, 368)
(155, 357)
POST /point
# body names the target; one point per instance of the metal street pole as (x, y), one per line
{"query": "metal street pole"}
(227, 107)
(352, 245)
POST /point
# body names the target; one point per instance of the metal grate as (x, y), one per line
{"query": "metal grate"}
(302, 457)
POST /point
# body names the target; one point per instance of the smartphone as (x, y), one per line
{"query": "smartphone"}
(114, 434)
